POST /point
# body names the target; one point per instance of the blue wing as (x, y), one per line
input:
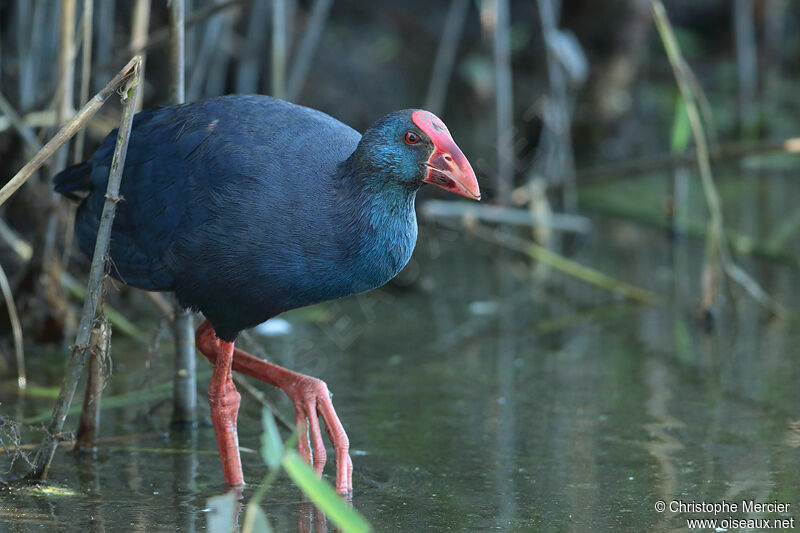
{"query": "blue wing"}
(233, 174)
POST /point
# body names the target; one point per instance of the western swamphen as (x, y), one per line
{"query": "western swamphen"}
(248, 206)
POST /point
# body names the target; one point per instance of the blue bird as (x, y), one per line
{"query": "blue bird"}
(248, 206)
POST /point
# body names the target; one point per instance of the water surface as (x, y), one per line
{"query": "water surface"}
(479, 395)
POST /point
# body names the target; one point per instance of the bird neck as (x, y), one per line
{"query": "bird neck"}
(382, 222)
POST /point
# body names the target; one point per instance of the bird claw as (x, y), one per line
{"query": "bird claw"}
(310, 396)
(311, 400)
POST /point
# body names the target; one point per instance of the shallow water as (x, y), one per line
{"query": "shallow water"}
(477, 398)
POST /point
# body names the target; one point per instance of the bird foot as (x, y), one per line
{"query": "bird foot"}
(312, 399)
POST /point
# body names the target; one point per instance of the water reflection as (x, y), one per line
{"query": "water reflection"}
(476, 399)
(184, 477)
(229, 511)
(506, 436)
(88, 468)
(311, 519)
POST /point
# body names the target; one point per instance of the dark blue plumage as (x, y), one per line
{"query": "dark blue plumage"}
(247, 206)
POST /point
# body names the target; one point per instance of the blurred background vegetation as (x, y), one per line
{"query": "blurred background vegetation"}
(570, 113)
(538, 94)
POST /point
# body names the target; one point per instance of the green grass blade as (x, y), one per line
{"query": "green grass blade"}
(222, 512)
(322, 494)
(681, 131)
(151, 394)
(255, 521)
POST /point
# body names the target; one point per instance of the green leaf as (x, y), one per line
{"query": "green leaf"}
(255, 521)
(681, 132)
(322, 494)
(222, 513)
(271, 445)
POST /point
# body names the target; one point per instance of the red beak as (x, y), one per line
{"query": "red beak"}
(448, 168)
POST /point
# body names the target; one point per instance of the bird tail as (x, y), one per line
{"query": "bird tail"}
(74, 180)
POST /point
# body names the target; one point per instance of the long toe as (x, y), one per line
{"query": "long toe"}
(312, 399)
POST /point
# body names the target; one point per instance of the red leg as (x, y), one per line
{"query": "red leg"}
(311, 400)
(224, 401)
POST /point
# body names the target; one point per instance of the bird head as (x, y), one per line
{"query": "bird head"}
(416, 147)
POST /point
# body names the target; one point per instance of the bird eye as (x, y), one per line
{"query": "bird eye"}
(412, 138)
